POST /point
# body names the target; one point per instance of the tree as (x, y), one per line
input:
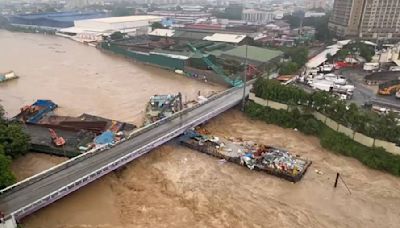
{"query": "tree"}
(156, 25)
(13, 143)
(13, 140)
(6, 176)
(117, 36)
(288, 68)
(329, 57)
(121, 11)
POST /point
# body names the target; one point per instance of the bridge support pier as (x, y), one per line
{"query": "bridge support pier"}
(9, 223)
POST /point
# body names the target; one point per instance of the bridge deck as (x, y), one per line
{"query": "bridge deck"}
(9, 203)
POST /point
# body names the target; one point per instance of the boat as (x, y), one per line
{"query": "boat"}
(7, 76)
(266, 158)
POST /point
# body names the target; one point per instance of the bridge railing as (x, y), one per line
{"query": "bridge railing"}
(95, 174)
(28, 181)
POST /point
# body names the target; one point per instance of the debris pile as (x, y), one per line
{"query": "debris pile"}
(255, 156)
(161, 106)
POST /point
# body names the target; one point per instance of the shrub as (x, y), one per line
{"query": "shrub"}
(373, 157)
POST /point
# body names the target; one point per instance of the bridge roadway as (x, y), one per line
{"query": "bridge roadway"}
(14, 200)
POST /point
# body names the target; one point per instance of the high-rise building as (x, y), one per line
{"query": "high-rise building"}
(369, 19)
(314, 4)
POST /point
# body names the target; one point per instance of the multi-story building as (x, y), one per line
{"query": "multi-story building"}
(257, 16)
(314, 4)
(381, 19)
(370, 19)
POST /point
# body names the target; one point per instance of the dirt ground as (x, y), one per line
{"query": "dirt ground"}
(174, 186)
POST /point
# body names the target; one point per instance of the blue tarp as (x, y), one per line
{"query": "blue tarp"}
(48, 107)
(106, 137)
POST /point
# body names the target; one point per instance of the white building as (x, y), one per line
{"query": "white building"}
(93, 29)
(257, 16)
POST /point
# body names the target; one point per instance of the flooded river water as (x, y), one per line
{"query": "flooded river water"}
(82, 79)
(173, 186)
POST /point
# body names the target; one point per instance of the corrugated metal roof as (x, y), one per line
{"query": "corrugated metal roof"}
(261, 55)
(162, 32)
(191, 35)
(126, 19)
(223, 37)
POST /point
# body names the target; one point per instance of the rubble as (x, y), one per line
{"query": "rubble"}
(254, 156)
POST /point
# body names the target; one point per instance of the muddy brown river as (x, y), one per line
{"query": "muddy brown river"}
(173, 186)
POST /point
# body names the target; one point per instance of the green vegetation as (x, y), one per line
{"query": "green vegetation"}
(376, 158)
(319, 23)
(383, 127)
(156, 25)
(232, 12)
(298, 56)
(13, 143)
(364, 50)
(288, 68)
(117, 36)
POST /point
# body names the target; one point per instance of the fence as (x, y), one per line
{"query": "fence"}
(158, 59)
(358, 137)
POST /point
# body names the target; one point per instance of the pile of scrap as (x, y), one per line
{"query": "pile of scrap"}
(260, 157)
(65, 135)
(161, 106)
(36, 111)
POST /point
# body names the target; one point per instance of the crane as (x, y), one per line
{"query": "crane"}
(216, 69)
(57, 140)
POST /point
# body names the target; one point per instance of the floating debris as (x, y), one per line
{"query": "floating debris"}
(272, 160)
(7, 76)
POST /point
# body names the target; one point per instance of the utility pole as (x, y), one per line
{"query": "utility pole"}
(244, 80)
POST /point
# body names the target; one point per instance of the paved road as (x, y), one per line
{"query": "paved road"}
(20, 198)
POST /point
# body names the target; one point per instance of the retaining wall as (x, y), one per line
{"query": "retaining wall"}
(358, 137)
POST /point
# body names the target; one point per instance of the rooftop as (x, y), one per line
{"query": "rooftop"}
(125, 19)
(223, 37)
(162, 32)
(257, 54)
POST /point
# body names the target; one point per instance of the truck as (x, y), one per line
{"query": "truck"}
(323, 85)
(394, 68)
(371, 66)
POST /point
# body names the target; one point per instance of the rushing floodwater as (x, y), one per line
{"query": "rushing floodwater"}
(83, 79)
(173, 186)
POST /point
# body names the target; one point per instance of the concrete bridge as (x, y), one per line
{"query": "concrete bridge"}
(28, 196)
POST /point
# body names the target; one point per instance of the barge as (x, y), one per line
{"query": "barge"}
(272, 160)
(77, 134)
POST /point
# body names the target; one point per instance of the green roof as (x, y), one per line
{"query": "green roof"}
(257, 54)
(191, 35)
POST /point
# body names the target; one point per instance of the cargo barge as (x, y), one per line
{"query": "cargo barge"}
(272, 160)
(65, 135)
(7, 76)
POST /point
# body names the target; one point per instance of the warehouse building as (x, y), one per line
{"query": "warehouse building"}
(53, 20)
(94, 29)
